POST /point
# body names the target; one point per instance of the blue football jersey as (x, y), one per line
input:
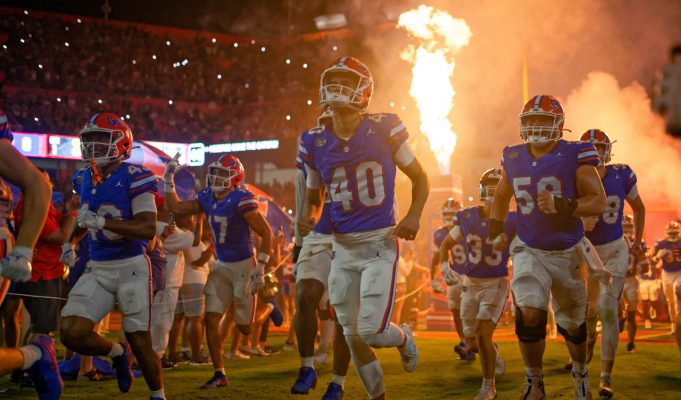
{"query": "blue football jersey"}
(483, 260)
(618, 182)
(359, 174)
(112, 198)
(671, 263)
(555, 172)
(325, 225)
(457, 255)
(233, 239)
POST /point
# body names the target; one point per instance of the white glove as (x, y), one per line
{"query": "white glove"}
(17, 265)
(451, 278)
(68, 254)
(587, 252)
(257, 281)
(171, 168)
(88, 219)
(436, 285)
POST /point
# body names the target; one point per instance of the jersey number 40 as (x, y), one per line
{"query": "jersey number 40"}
(369, 190)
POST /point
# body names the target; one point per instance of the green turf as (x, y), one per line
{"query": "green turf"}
(651, 373)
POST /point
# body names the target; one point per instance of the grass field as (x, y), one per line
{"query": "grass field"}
(653, 372)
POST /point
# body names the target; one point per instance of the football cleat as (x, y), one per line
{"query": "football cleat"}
(218, 380)
(94, 375)
(166, 364)
(408, 352)
(631, 348)
(605, 388)
(581, 382)
(307, 379)
(534, 389)
(487, 393)
(121, 365)
(461, 350)
(333, 392)
(45, 372)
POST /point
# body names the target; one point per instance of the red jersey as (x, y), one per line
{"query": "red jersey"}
(46, 254)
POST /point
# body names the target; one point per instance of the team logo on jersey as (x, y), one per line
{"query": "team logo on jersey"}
(513, 154)
(79, 180)
(320, 141)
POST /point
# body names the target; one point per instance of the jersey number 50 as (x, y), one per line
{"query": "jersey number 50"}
(524, 198)
(370, 189)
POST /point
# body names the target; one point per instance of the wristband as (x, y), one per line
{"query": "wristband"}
(22, 251)
(263, 258)
(169, 187)
(564, 206)
(73, 214)
(495, 229)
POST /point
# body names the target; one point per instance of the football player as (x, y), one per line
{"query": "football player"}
(312, 266)
(605, 233)
(668, 252)
(356, 160)
(554, 183)
(118, 211)
(231, 212)
(455, 265)
(485, 279)
(39, 357)
(638, 263)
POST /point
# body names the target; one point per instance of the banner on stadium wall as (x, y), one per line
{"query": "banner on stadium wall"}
(65, 147)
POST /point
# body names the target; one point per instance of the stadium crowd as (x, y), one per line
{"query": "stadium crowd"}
(203, 89)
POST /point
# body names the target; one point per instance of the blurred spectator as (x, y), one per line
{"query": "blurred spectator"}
(667, 99)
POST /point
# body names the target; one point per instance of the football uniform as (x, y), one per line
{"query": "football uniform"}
(457, 263)
(119, 269)
(544, 253)
(619, 183)
(649, 283)
(359, 175)
(631, 284)
(314, 260)
(6, 237)
(671, 274)
(485, 283)
(234, 250)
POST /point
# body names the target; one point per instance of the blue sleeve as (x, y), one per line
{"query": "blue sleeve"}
(306, 148)
(439, 237)
(397, 131)
(299, 161)
(631, 178)
(586, 154)
(247, 203)
(77, 180)
(204, 199)
(141, 180)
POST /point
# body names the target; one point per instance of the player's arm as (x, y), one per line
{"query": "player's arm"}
(500, 204)
(204, 257)
(639, 209)
(257, 222)
(63, 232)
(36, 189)
(591, 199)
(409, 226)
(173, 203)
(312, 209)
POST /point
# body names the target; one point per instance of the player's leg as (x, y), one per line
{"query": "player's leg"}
(176, 330)
(594, 295)
(454, 305)
(219, 297)
(194, 308)
(38, 359)
(341, 363)
(134, 296)
(570, 302)
(677, 317)
(309, 291)
(12, 359)
(668, 290)
(162, 318)
(344, 295)
(631, 304)
(327, 327)
(531, 290)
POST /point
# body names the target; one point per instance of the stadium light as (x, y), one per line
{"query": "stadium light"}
(134, 61)
(66, 44)
(79, 20)
(288, 117)
(263, 49)
(99, 101)
(22, 40)
(170, 102)
(153, 56)
(167, 42)
(58, 99)
(236, 45)
(305, 66)
(214, 40)
(309, 102)
(36, 119)
(288, 61)
(4, 46)
(40, 66)
(219, 76)
(330, 21)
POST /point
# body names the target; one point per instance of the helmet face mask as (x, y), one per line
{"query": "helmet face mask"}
(672, 230)
(488, 184)
(601, 142)
(449, 210)
(347, 83)
(225, 173)
(541, 121)
(105, 139)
